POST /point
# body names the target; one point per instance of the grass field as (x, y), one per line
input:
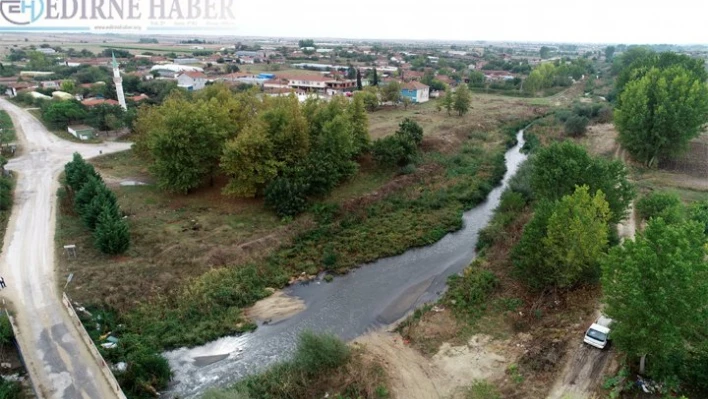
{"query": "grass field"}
(186, 248)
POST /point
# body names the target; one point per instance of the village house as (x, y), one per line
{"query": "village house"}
(498, 75)
(191, 80)
(416, 92)
(92, 102)
(14, 88)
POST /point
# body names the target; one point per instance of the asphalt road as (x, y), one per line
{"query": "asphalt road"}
(57, 359)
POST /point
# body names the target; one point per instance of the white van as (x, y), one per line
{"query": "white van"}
(599, 333)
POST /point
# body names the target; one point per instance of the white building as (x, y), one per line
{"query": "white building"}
(191, 80)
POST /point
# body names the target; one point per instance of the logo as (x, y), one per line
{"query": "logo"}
(21, 12)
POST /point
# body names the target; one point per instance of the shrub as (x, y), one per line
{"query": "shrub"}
(605, 115)
(86, 194)
(111, 236)
(521, 182)
(286, 196)
(482, 390)
(699, 213)
(316, 353)
(390, 151)
(468, 292)
(575, 125)
(531, 144)
(78, 172)
(563, 114)
(145, 367)
(664, 204)
(5, 193)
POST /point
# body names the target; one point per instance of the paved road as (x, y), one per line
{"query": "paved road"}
(57, 359)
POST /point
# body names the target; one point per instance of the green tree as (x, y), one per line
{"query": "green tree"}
(186, 147)
(249, 161)
(59, 114)
(664, 204)
(401, 148)
(358, 80)
(448, 101)
(545, 52)
(104, 199)
(68, 86)
(360, 124)
(576, 125)
(370, 97)
(78, 172)
(477, 79)
(656, 291)
(391, 92)
(463, 100)
(562, 244)
(609, 53)
(560, 167)
(86, 194)
(660, 113)
(330, 160)
(111, 235)
(375, 78)
(287, 129)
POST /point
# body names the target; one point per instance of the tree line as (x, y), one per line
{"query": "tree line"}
(97, 206)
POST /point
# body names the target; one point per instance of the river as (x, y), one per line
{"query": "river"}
(369, 297)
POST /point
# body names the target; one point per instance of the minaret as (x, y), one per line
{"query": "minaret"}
(119, 84)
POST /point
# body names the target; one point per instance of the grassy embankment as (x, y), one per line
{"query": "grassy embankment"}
(197, 260)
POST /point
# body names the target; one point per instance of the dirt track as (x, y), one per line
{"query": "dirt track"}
(57, 360)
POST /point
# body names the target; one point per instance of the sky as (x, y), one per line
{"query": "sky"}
(595, 21)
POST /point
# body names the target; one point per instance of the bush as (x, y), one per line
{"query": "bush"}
(468, 292)
(664, 204)
(563, 114)
(521, 182)
(5, 193)
(698, 212)
(286, 196)
(391, 151)
(482, 390)
(317, 353)
(575, 125)
(111, 236)
(78, 172)
(531, 144)
(605, 115)
(145, 367)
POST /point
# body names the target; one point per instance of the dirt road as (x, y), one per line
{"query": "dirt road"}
(58, 361)
(585, 368)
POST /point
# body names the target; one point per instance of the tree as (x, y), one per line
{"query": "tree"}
(68, 86)
(561, 245)
(660, 113)
(287, 129)
(575, 125)
(374, 78)
(86, 194)
(186, 147)
(391, 92)
(360, 124)
(406, 102)
(664, 204)
(656, 291)
(545, 52)
(60, 114)
(448, 101)
(358, 79)
(248, 160)
(609, 53)
(111, 235)
(370, 97)
(477, 79)
(560, 167)
(463, 100)
(78, 172)
(330, 160)
(401, 148)
(103, 199)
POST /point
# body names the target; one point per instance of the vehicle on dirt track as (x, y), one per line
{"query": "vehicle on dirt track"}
(598, 335)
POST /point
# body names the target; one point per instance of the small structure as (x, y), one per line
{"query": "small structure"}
(62, 95)
(191, 80)
(81, 132)
(416, 92)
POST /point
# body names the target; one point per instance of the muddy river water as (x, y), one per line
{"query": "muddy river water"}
(374, 295)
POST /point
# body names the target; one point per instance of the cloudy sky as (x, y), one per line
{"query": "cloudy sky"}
(596, 21)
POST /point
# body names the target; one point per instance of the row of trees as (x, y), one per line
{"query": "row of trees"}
(60, 114)
(656, 290)
(559, 73)
(271, 146)
(662, 103)
(97, 206)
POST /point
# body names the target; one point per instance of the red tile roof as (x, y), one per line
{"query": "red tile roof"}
(194, 74)
(141, 97)
(90, 102)
(414, 86)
